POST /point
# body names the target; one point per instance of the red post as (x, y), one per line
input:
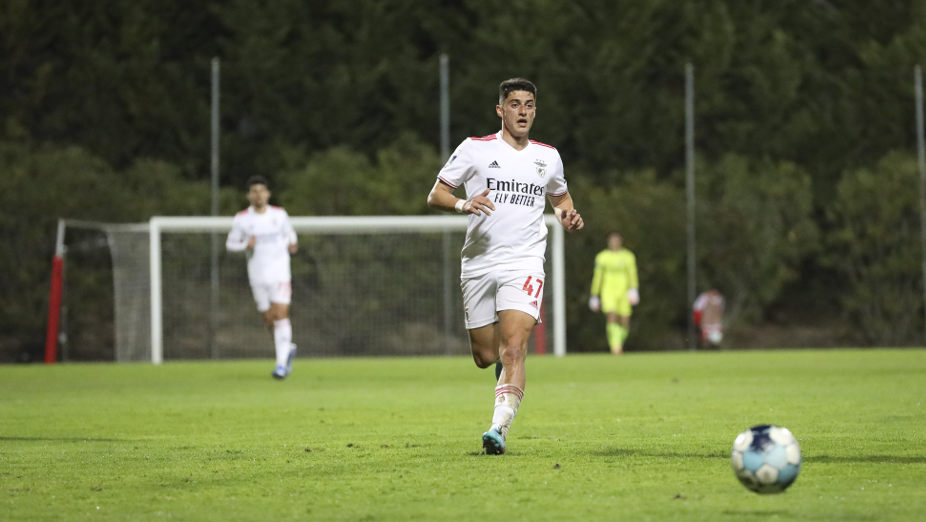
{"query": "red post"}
(540, 335)
(54, 310)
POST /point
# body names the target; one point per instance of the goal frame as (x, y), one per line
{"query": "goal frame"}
(347, 225)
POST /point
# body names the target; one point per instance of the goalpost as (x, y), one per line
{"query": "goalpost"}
(363, 285)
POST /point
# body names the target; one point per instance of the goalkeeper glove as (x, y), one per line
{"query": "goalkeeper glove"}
(633, 296)
(594, 303)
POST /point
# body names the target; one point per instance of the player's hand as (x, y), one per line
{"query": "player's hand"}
(571, 220)
(293, 247)
(252, 241)
(479, 204)
(594, 303)
(633, 295)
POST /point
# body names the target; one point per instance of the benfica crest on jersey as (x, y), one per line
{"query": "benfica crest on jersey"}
(541, 167)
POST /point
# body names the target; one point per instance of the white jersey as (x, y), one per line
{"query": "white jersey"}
(709, 306)
(268, 262)
(514, 237)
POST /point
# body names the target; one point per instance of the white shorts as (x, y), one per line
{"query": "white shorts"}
(485, 296)
(712, 333)
(266, 293)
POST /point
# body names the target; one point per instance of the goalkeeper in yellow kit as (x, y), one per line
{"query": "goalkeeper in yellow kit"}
(615, 290)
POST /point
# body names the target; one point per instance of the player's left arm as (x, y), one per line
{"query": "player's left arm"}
(558, 194)
(565, 212)
(632, 282)
(290, 233)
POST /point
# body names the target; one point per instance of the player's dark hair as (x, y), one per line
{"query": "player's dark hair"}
(515, 84)
(257, 180)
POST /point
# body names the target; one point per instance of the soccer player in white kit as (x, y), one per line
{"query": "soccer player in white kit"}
(265, 232)
(707, 313)
(508, 177)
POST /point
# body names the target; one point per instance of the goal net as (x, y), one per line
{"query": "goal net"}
(362, 286)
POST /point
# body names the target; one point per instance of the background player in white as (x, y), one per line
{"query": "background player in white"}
(267, 235)
(707, 312)
(507, 178)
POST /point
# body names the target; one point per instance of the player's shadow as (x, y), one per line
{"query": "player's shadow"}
(874, 459)
(627, 452)
(4, 438)
(725, 454)
(757, 514)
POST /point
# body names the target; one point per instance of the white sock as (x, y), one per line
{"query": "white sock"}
(507, 399)
(282, 338)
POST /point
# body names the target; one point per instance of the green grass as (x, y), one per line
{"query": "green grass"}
(641, 437)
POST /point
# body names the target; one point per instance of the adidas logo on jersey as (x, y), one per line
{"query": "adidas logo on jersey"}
(494, 165)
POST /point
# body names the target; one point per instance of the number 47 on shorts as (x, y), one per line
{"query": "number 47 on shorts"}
(529, 286)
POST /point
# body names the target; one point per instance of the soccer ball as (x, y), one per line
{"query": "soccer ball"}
(766, 459)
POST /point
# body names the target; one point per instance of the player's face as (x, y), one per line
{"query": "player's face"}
(258, 195)
(615, 242)
(517, 112)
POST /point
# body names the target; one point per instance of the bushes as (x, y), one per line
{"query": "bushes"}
(754, 230)
(41, 185)
(756, 233)
(875, 247)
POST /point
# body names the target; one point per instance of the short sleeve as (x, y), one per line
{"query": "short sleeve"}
(556, 186)
(459, 167)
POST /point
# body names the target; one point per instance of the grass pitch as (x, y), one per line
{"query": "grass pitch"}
(639, 437)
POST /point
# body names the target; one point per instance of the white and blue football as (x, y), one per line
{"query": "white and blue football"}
(766, 459)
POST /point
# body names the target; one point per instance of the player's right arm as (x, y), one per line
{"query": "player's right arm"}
(442, 198)
(454, 173)
(697, 309)
(237, 240)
